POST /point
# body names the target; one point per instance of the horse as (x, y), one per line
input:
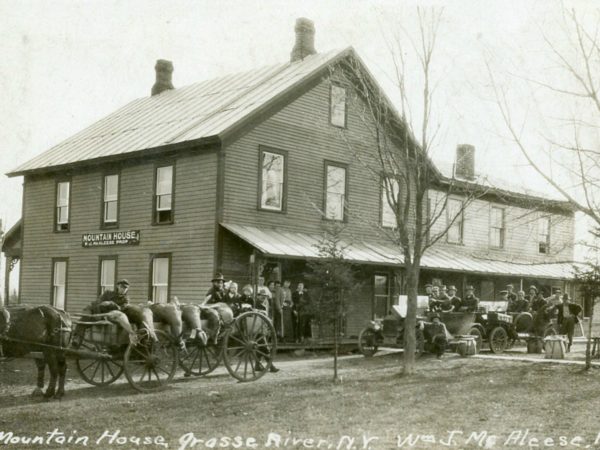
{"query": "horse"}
(45, 329)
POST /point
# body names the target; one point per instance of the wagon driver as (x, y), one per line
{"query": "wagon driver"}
(110, 298)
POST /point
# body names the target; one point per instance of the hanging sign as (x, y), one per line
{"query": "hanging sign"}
(131, 237)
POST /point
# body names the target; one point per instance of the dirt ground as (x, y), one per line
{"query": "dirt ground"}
(488, 403)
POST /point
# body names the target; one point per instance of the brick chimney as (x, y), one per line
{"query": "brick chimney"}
(164, 72)
(465, 162)
(305, 39)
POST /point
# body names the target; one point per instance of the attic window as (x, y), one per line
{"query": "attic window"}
(337, 106)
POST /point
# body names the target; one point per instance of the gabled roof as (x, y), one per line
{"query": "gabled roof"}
(194, 113)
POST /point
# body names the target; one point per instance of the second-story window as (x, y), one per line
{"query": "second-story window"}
(335, 192)
(337, 113)
(455, 220)
(390, 190)
(497, 227)
(111, 200)
(163, 197)
(544, 235)
(63, 189)
(272, 177)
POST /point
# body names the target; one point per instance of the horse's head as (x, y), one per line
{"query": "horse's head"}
(4, 320)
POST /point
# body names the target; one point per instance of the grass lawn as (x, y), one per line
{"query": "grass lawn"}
(500, 401)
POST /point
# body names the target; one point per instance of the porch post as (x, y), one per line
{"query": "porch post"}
(4, 300)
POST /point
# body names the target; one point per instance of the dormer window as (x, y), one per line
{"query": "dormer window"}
(337, 106)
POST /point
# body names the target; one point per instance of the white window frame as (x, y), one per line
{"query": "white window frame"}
(272, 181)
(111, 198)
(104, 282)
(388, 215)
(59, 283)
(160, 287)
(62, 205)
(163, 192)
(335, 194)
(338, 100)
(500, 230)
(458, 223)
(544, 222)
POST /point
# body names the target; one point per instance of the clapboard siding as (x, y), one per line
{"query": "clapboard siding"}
(302, 129)
(190, 240)
(520, 242)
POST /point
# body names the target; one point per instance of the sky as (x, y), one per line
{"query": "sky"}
(65, 66)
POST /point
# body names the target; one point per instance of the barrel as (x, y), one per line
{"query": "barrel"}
(535, 345)
(466, 346)
(554, 347)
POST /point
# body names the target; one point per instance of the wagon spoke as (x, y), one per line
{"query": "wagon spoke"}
(239, 362)
(88, 366)
(157, 376)
(237, 339)
(253, 330)
(163, 370)
(112, 374)
(95, 370)
(245, 364)
(266, 355)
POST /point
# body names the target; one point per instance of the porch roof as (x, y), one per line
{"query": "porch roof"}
(276, 242)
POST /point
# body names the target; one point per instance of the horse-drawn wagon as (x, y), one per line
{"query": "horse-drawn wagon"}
(103, 351)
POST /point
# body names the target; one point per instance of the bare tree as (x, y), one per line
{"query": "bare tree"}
(415, 194)
(568, 154)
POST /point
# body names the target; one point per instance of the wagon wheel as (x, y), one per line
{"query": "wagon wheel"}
(150, 366)
(474, 331)
(98, 372)
(498, 340)
(200, 359)
(367, 342)
(250, 345)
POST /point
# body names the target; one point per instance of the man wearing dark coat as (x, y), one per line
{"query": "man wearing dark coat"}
(470, 302)
(512, 297)
(216, 293)
(302, 305)
(112, 300)
(455, 301)
(567, 316)
(436, 334)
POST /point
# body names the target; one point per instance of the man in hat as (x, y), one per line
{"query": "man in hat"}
(216, 293)
(519, 305)
(109, 298)
(510, 294)
(567, 314)
(436, 332)
(536, 300)
(455, 302)
(444, 292)
(434, 299)
(428, 289)
(470, 302)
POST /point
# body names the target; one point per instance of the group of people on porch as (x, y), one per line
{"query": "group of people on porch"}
(290, 310)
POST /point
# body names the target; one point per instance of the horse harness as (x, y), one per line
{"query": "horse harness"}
(64, 330)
